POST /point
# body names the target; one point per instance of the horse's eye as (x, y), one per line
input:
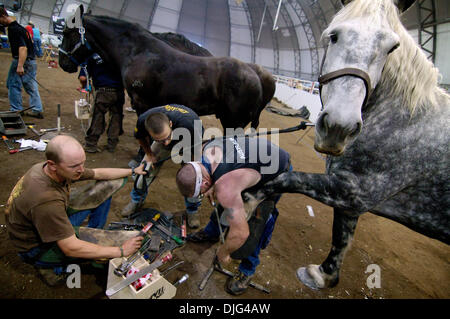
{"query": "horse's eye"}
(394, 48)
(333, 37)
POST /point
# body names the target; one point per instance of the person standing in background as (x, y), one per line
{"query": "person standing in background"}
(36, 40)
(109, 97)
(29, 28)
(22, 71)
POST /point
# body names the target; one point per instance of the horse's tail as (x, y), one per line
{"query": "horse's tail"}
(268, 90)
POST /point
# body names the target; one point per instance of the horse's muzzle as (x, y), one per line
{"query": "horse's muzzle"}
(69, 67)
(332, 138)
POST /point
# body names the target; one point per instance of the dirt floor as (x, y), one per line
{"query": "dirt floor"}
(412, 265)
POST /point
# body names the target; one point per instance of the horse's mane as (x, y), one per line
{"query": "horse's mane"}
(115, 23)
(174, 40)
(407, 72)
(179, 41)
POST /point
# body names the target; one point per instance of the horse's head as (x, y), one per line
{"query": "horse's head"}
(74, 48)
(359, 42)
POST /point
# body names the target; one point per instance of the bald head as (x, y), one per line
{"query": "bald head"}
(186, 180)
(62, 148)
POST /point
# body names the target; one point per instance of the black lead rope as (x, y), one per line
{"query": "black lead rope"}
(302, 126)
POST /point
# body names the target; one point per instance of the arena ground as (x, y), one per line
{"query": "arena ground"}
(412, 265)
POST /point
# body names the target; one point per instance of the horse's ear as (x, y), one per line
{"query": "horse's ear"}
(75, 21)
(404, 5)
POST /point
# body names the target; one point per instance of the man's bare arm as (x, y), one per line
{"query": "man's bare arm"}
(77, 248)
(115, 173)
(23, 52)
(228, 192)
(111, 173)
(238, 231)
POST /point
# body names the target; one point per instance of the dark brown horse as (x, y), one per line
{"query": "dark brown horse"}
(182, 43)
(155, 73)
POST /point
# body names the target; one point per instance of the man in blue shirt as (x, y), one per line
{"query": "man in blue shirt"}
(36, 40)
(109, 96)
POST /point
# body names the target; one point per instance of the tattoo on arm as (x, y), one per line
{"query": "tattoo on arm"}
(229, 212)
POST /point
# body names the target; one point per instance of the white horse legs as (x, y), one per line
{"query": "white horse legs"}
(327, 274)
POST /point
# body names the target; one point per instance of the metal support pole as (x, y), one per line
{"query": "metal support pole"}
(275, 27)
(262, 20)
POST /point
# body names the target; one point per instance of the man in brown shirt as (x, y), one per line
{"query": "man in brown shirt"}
(36, 216)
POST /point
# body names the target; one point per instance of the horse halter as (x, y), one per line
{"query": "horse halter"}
(363, 75)
(82, 42)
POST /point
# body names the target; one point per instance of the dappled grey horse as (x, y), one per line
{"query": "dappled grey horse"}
(385, 124)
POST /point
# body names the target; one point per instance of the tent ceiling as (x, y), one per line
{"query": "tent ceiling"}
(240, 28)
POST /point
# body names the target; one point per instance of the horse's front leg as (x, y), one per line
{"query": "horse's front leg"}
(326, 275)
(344, 192)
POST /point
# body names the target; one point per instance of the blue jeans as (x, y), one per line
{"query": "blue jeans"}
(97, 216)
(248, 265)
(51, 256)
(15, 82)
(37, 47)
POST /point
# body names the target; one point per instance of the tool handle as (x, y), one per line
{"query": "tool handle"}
(148, 226)
(166, 258)
(145, 229)
(206, 278)
(8, 143)
(182, 279)
(58, 126)
(259, 287)
(183, 227)
(13, 151)
(177, 240)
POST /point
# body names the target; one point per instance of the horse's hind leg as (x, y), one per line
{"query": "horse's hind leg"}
(327, 274)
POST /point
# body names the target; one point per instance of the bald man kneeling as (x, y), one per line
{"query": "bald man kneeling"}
(36, 215)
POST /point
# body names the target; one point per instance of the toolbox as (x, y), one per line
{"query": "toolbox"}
(12, 124)
(157, 287)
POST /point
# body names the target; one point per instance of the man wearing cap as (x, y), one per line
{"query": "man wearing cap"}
(22, 72)
(228, 167)
(155, 133)
(29, 28)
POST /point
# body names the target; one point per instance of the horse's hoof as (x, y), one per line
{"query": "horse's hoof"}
(313, 281)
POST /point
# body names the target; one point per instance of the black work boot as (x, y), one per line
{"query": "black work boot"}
(238, 284)
(50, 278)
(36, 114)
(111, 146)
(89, 148)
(202, 237)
